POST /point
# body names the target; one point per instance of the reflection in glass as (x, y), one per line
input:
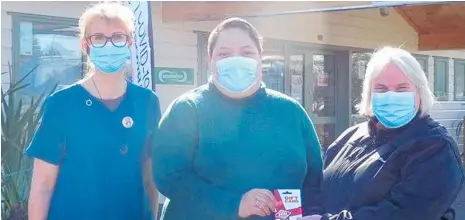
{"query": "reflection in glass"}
(273, 70)
(326, 134)
(440, 79)
(324, 67)
(296, 70)
(423, 63)
(359, 64)
(459, 81)
(56, 56)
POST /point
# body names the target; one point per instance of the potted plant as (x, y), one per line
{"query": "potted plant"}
(19, 122)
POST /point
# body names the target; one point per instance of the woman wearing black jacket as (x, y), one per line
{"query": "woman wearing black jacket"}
(401, 164)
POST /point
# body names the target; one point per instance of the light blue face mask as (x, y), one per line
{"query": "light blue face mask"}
(109, 59)
(394, 109)
(237, 74)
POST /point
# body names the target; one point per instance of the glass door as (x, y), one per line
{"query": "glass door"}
(296, 74)
(311, 80)
(323, 96)
(309, 77)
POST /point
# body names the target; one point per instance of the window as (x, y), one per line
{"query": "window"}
(459, 80)
(49, 48)
(202, 53)
(359, 64)
(441, 78)
(423, 60)
(273, 70)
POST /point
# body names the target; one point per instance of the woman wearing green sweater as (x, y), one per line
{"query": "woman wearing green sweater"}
(222, 148)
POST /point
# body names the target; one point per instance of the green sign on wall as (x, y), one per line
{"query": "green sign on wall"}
(174, 76)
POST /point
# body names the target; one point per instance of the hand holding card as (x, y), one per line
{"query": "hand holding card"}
(259, 202)
(288, 204)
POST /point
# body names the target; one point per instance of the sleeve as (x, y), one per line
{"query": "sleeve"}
(311, 190)
(48, 141)
(427, 190)
(155, 113)
(174, 150)
(332, 150)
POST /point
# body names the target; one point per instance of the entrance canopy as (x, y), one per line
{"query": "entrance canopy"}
(440, 25)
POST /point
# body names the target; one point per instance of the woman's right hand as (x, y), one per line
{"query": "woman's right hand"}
(260, 202)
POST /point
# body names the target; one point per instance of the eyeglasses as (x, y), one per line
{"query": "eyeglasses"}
(99, 40)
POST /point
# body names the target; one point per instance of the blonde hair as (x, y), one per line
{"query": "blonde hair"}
(110, 11)
(408, 65)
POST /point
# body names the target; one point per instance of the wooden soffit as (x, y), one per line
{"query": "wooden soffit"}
(439, 27)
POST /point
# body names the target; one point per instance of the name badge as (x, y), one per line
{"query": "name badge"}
(288, 204)
(127, 122)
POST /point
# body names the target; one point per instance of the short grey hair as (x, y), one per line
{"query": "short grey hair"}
(408, 65)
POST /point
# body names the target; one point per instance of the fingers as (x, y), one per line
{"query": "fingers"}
(260, 202)
(259, 212)
(269, 198)
(268, 193)
(269, 202)
(260, 208)
(264, 200)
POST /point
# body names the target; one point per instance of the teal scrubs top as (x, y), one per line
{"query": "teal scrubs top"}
(212, 149)
(100, 160)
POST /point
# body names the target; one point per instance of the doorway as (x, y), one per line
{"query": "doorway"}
(316, 79)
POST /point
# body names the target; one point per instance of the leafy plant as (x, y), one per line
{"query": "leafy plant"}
(20, 118)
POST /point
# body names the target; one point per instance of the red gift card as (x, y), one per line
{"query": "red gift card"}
(288, 204)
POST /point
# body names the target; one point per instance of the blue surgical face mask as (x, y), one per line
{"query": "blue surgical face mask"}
(394, 109)
(109, 59)
(237, 74)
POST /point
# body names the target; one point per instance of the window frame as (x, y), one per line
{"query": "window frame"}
(419, 57)
(446, 60)
(202, 54)
(35, 18)
(458, 61)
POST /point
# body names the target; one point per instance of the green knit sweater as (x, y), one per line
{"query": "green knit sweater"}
(211, 149)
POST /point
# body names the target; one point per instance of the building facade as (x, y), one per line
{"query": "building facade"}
(317, 58)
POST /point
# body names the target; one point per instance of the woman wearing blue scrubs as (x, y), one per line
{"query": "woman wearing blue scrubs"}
(90, 156)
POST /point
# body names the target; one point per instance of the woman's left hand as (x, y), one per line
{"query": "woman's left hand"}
(311, 217)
